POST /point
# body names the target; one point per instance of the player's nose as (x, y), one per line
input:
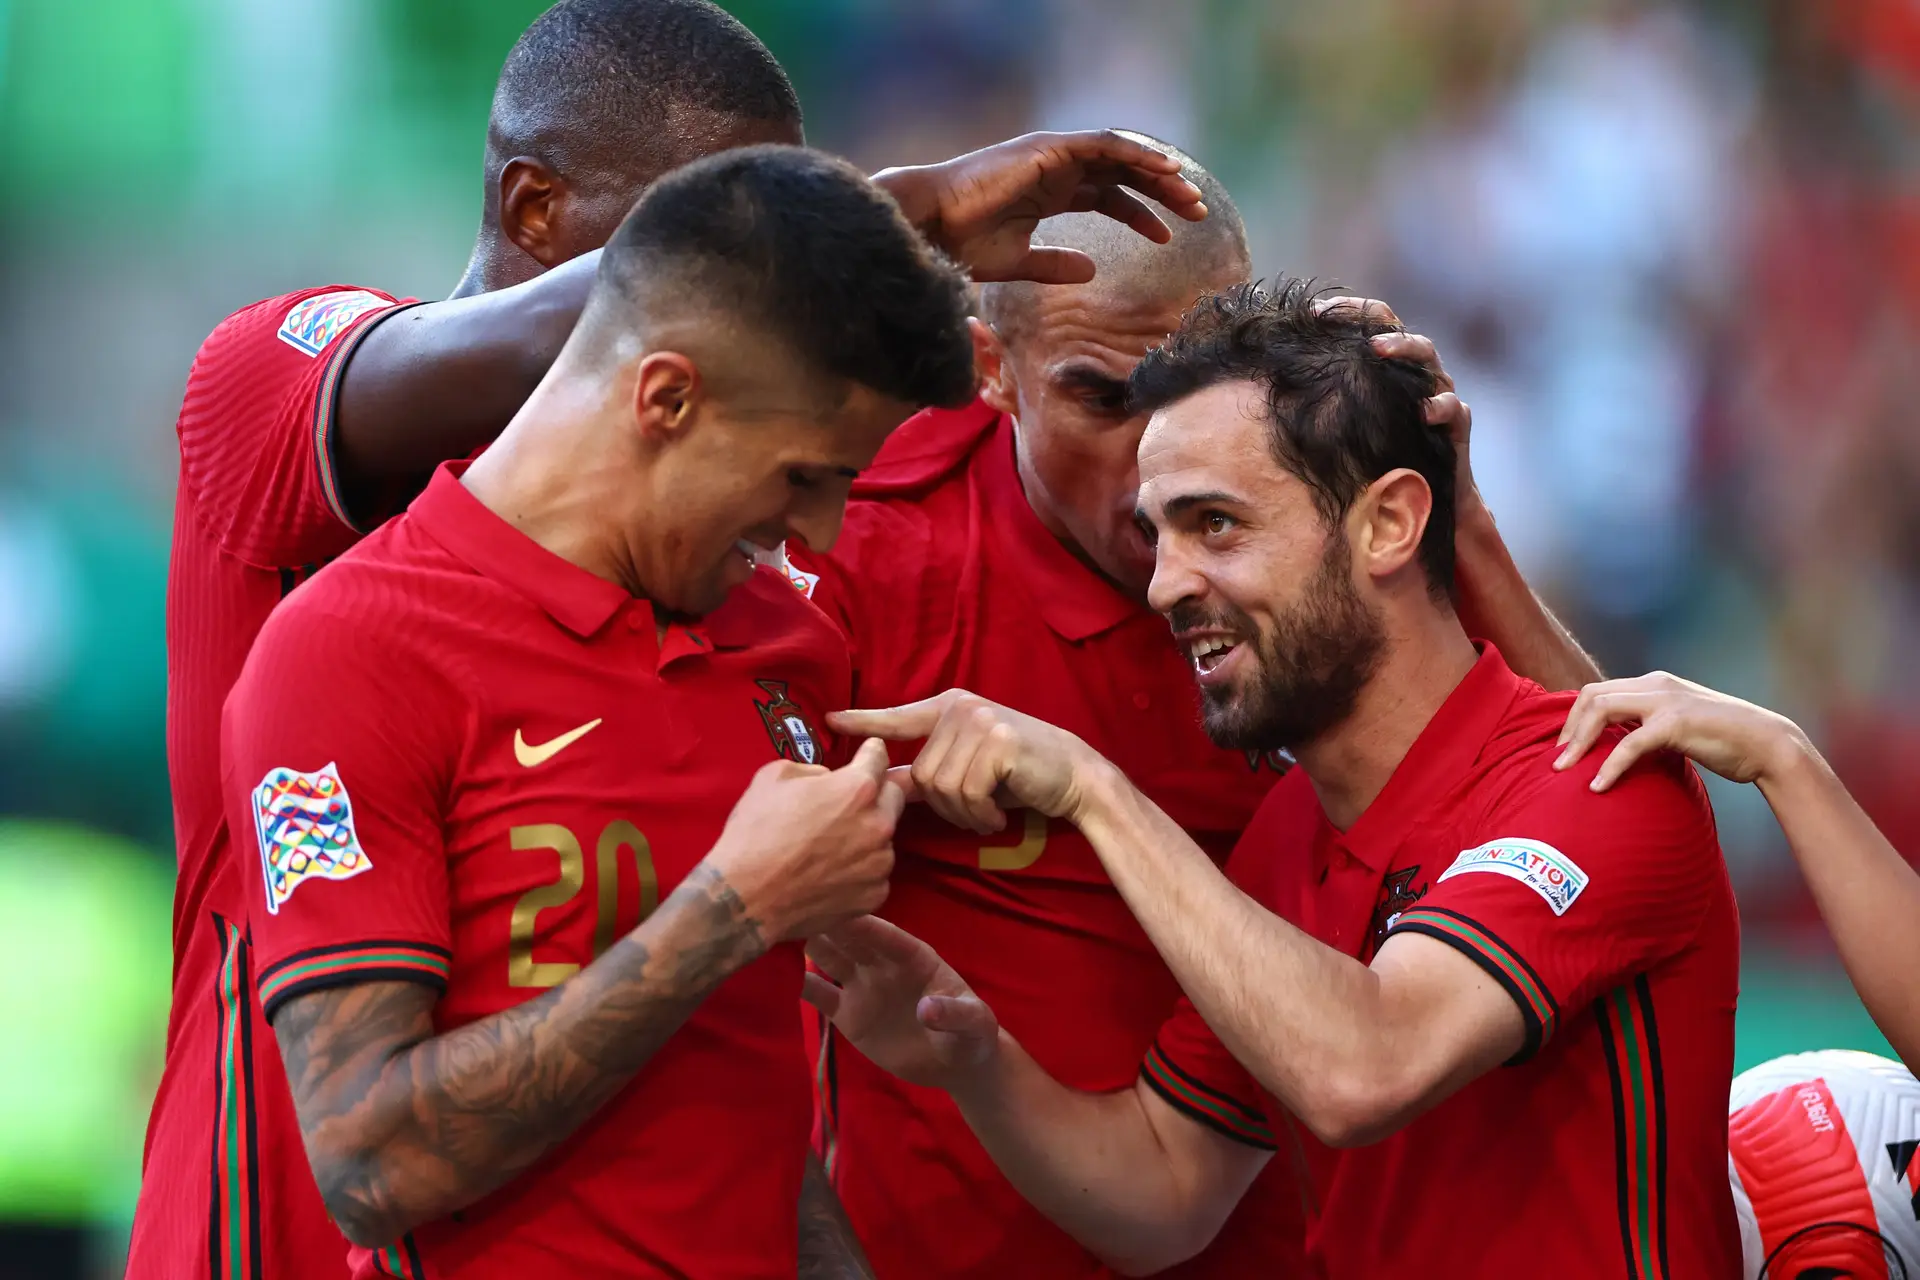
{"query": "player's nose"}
(1175, 578)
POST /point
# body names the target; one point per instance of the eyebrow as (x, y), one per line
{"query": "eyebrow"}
(1091, 378)
(1188, 501)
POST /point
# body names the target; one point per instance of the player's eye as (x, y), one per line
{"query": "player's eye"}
(1217, 522)
(1148, 531)
(799, 479)
(1110, 401)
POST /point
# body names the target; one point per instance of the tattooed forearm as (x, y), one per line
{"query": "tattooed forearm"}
(404, 1126)
(829, 1250)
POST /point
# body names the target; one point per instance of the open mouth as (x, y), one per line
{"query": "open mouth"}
(1211, 653)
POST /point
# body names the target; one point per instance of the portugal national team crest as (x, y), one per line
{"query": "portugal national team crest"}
(793, 738)
(305, 824)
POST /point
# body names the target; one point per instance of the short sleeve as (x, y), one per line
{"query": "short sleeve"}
(334, 777)
(1195, 1075)
(1570, 893)
(256, 425)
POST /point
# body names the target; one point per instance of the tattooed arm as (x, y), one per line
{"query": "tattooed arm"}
(403, 1126)
(829, 1249)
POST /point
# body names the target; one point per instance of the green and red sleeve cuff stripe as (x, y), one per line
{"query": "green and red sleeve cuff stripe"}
(1502, 962)
(1218, 1111)
(352, 962)
(324, 407)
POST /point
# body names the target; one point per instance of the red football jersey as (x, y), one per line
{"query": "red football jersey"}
(463, 761)
(1601, 1149)
(943, 576)
(257, 510)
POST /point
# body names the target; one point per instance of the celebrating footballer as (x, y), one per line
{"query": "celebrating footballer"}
(920, 725)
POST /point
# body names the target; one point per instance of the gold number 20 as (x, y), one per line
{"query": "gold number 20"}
(522, 969)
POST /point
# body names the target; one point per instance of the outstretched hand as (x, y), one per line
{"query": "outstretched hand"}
(981, 758)
(899, 1003)
(1735, 739)
(981, 208)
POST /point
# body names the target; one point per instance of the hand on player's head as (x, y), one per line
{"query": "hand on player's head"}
(981, 208)
(902, 1006)
(807, 847)
(1737, 740)
(981, 758)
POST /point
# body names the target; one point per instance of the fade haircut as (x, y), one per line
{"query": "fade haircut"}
(1199, 251)
(1339, 414)
(626, 88)
(799, 246)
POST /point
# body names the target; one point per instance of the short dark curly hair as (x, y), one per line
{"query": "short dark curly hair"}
(1339, 414)
(804, 248)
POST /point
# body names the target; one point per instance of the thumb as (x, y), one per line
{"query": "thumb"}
(966, 1015)
(895, 724)
(821, 994)
(869, 763)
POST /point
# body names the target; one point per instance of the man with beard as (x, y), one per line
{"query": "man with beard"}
(995, 548)
(1424, 900)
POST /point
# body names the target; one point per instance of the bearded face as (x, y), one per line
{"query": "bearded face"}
(1285, 683)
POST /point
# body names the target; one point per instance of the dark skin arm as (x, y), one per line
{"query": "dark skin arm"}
(829, 1250)
(440, 380)
(404, 1127)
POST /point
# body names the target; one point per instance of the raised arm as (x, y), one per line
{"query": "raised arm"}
(404, 1126)
(1867, 893)
(439, 380)
(1494, 599)
(1135, 1181)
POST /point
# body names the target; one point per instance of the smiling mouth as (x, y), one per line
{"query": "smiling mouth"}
(1209, 652)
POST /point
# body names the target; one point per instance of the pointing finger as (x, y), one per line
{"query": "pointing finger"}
(895, 724)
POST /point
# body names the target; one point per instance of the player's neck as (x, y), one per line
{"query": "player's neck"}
(494, 265)
(1427, 655)
(552, 476)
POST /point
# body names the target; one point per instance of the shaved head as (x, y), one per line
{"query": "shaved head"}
(1056, 359)
(1131, 268)
(630, 89)
(596, 101)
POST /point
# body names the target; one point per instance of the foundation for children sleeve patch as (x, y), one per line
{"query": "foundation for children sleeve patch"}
(313, 323)
(305, 825)
(1541, 867)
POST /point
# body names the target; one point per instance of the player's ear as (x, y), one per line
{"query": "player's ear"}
(666, 389)
(991, 364)
(530, 197)
(1388, 520)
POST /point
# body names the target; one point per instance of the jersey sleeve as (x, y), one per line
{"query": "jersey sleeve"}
(1574, 894)
(257, 421)
(1195, 1075)
(335, 766)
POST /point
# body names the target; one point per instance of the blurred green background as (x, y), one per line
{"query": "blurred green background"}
(1670, 250)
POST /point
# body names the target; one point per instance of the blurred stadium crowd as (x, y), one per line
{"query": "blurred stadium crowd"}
(1671, 252)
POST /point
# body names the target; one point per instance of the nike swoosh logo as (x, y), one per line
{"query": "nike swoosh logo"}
(530, 754)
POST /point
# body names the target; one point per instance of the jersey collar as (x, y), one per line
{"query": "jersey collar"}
(1439, 758)
(1074, 600)
(578, 600)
